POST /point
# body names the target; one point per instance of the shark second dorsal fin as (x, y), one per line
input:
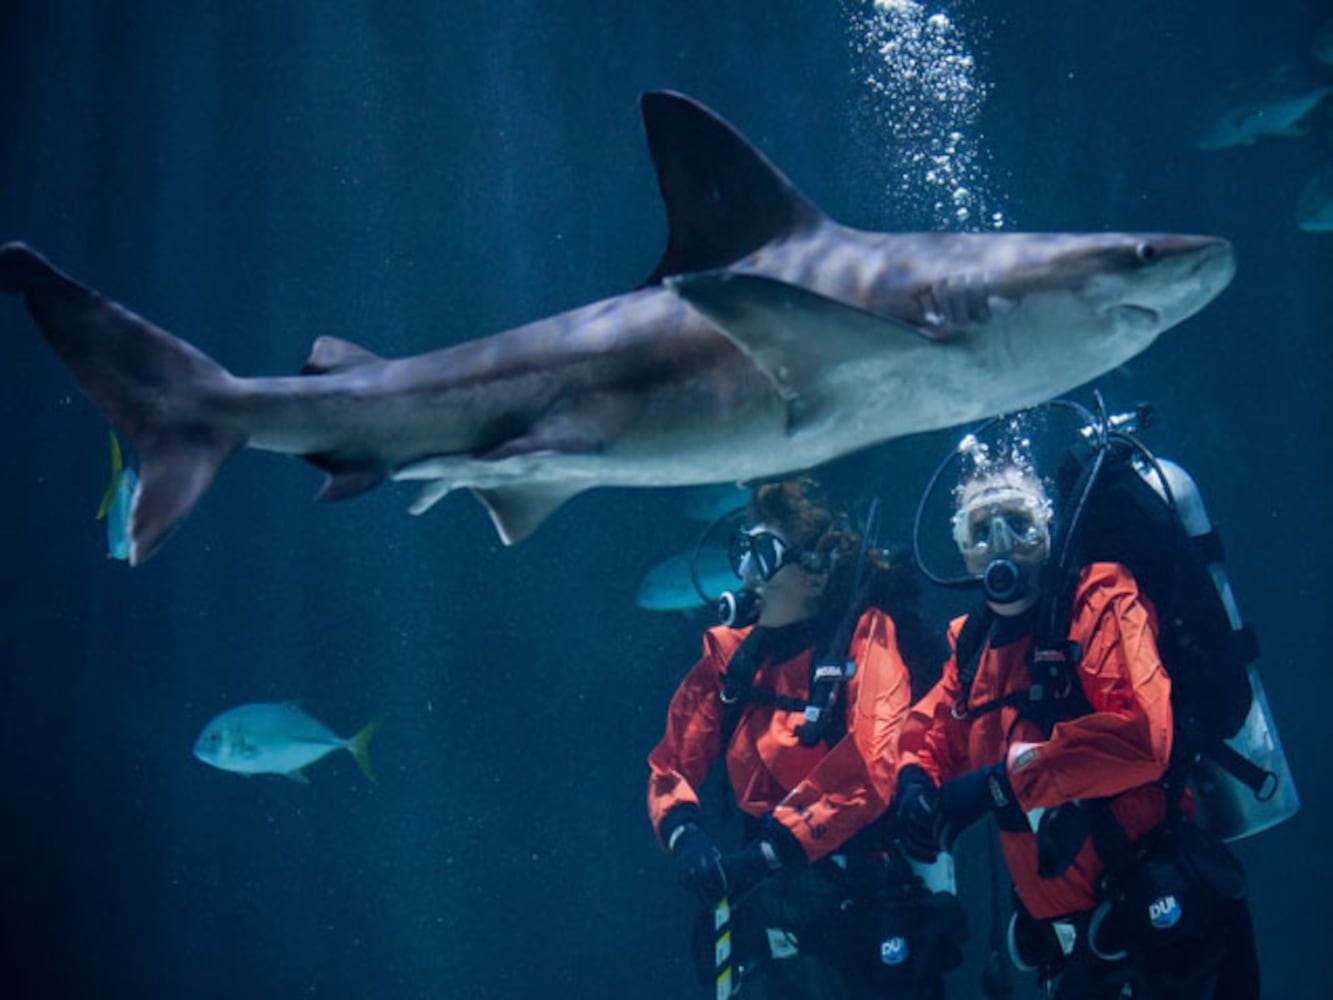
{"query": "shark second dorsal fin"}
(329, 355)
(723, 198)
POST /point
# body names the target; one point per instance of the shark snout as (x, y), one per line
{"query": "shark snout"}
(1199, 253)
(1185, 273)
(1168, 278)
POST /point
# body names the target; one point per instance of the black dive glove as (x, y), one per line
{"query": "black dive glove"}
(698, 863)
(710, 874)
(968, 797)
(917, 814)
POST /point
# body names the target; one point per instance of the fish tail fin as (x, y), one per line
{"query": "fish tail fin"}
(117, 467)
(155, 389)
(359, 747)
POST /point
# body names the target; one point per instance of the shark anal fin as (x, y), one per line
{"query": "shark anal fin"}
(346, 479)
(345, 485)
(329, 355)
(723, 198)
(795, 336)
(517, 511)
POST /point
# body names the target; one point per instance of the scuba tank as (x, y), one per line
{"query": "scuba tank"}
(1230, 808)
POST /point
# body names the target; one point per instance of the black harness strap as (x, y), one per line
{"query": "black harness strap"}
(738, 681)
(967, 653)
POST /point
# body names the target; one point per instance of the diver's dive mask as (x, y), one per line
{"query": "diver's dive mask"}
(757, 554)
(1000, 531)
(1004, 537)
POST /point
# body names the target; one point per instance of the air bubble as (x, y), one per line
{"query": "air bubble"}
(926, 100)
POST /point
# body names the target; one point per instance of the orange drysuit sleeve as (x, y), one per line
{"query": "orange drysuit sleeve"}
(931, 737)
(852, 785)
(848, 787)
(693, 738)
(1125, 741)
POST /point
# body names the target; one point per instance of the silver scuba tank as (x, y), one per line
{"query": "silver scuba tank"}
(1228, 807)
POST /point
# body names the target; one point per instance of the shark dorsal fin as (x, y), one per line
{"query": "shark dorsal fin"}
(723, 198)
(329, 355)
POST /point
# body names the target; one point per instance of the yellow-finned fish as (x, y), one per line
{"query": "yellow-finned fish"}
(115, 505)
(276, 738)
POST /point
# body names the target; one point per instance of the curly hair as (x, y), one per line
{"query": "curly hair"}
(800, 511)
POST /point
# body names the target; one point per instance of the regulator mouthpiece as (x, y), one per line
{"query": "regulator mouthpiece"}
(1002, 581)
(738, 608)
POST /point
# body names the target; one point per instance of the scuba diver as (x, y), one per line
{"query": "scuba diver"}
(1069, 735)
(814, 904)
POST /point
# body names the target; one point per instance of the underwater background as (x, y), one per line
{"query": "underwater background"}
(251, 175)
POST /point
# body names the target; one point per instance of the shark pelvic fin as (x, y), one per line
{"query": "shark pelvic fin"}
(723, 198)
(796, 337)
(331, 354)
(432, 493)
(517, 511)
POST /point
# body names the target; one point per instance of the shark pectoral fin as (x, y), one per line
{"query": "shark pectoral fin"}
(297, 776)
(331, 354)
(795, 336)
(517, 511)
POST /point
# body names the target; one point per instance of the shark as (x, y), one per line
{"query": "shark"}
(768, 339)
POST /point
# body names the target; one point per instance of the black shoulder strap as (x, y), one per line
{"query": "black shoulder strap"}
(967, 652)
(1052, 670)
(738, 682)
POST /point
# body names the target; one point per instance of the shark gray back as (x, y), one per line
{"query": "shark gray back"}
(768, 339)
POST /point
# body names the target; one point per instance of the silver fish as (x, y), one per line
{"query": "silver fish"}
(668, 585)
(1244, 112)
(276, 738)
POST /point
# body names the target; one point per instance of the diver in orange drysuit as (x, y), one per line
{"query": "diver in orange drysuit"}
(803, 798)
(965, 753)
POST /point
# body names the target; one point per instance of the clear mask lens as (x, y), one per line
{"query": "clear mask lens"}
(993, 532)
(1005, 530)
(758, 554)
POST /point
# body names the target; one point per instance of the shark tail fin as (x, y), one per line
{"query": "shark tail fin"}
(155, 389)
(359, 747)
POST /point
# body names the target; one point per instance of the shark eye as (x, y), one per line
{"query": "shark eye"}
(1146, 252)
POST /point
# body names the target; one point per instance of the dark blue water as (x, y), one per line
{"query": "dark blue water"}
(254, 175)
